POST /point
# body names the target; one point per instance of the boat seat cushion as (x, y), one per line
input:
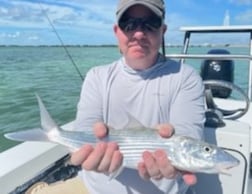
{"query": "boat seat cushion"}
(73, 185)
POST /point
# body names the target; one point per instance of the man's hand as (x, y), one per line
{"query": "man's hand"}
(103, 157)
(156, 165)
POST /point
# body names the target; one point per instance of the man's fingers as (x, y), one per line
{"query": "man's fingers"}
(165, 130)
(165, 167)
(116, 162)
(189, 178)
(107, 158)
(94, 158)
(150, 164)
(82, 154)
(100, 130)
(143, 173)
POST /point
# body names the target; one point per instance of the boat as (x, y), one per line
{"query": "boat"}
(228, 122)
(228, 125)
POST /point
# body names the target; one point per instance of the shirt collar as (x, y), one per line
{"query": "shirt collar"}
(145, 72)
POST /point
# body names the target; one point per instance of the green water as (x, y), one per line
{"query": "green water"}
(48, 71)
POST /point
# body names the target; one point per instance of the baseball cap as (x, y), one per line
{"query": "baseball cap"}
(156, 6)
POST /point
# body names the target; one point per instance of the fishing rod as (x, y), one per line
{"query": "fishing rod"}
(61, 42)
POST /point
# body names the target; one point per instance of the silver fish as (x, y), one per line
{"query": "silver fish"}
(185, 153)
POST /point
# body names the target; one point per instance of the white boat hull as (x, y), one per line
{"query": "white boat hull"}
(23, 162)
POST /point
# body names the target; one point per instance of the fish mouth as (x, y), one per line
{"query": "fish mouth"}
(224, 168)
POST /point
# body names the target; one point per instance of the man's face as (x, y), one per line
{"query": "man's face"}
(137, 39)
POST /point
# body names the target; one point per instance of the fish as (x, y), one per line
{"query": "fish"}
(185, 153)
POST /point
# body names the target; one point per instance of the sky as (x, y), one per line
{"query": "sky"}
(90, 22)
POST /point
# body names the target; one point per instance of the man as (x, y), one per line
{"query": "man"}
(158, 92)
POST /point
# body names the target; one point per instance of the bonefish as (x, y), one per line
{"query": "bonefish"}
(185, 153)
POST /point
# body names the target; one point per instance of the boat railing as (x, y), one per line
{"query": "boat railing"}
(209, 56)
(217, 29)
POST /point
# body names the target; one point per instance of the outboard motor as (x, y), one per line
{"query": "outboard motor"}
(218, 70)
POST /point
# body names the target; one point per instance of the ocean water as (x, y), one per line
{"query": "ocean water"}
(48, 71)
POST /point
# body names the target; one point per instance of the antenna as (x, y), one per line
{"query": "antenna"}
(226, 21)
(61, 42)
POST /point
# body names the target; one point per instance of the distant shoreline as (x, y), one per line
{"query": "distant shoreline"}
(170, 46)
(58, 45)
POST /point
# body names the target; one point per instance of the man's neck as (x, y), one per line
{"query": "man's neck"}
(141, 64)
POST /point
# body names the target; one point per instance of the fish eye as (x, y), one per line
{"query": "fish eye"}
(207, 149)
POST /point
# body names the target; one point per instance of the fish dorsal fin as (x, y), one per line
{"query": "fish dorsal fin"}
(133, 123)
(47, 123)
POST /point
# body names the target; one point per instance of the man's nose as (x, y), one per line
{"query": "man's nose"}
(139, 33)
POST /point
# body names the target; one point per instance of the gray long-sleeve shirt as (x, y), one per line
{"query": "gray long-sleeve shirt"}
(168, 92)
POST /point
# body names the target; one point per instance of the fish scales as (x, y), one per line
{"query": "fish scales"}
(185, 153)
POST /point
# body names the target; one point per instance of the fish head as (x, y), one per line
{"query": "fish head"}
(199, 156)
(222, 160)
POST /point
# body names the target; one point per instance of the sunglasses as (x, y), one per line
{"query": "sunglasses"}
(149, 24)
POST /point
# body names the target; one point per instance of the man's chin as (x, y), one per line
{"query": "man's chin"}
(138, 53)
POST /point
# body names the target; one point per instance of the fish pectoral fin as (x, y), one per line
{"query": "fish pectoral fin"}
(116, 173)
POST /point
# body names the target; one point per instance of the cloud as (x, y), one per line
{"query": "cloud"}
(29, 13)
(93, 19)
(10, 35)
(244, 17)
(241, 2)
(91, 22)
(33, 37)
(174, 21)
(20, 14)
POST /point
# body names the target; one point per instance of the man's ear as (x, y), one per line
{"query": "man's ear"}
(164, 28)
(115, 28)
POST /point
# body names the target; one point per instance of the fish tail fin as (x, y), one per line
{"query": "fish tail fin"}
(47, 123)
(37, 134)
